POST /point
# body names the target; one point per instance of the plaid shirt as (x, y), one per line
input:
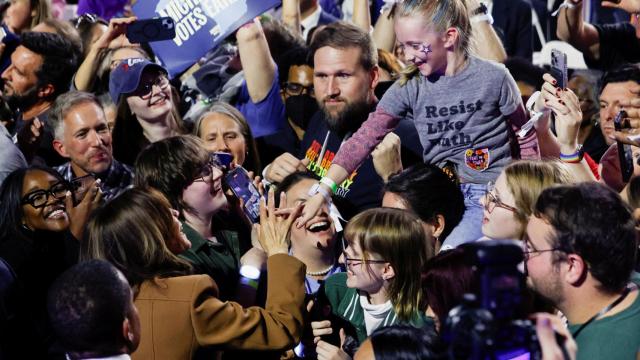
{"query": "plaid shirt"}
(118, 178)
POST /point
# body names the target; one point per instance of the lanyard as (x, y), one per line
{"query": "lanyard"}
(605, 310)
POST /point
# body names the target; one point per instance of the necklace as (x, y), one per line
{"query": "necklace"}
(321, 272)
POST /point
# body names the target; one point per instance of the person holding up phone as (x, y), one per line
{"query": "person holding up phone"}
(183, 171)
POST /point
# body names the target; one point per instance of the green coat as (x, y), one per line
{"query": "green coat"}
(219, 260)
(345, 303)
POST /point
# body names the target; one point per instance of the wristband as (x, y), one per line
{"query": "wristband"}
(330, 183)
(573, 158)
(316, 188)
(249, 272)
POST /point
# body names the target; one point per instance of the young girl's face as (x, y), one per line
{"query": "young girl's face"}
(364, 275)
(422, 47)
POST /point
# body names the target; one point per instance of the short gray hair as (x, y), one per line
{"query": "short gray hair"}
(63, 104)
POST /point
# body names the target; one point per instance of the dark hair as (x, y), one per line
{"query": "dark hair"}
(280, 39)
(290, 181)
(11, 213)
(523, 70)
(592, 221)
(133, 233)
(65, 29)
(170, 165)
(446, 278)
(343, 35)
(624, 73)
(633, 192)
(296, 56)
(59, 61)
(87, 305)
(406, 342)
(128, 136)
(429, 192)
(84, 25)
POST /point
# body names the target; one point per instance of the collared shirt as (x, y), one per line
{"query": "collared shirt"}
(220, 260)
(310, 22)
(117, 179)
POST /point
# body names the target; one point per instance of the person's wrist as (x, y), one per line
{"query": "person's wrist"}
(571, 153)
(322, 190)
(278, 250)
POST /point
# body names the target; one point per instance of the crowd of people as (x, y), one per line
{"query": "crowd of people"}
(401, 154)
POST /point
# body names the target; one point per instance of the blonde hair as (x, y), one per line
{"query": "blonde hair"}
(439, 15)
(42, 9)
(396, 235)
(526, 179)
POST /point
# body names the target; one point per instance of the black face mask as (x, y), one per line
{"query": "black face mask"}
(300, 109)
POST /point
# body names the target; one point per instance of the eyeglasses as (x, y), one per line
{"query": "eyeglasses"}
(528, 250)
(355, 262)
(85, 19)
(207, 171)
(295, 89)
(144, 91)
(492, 201)
(39, 198)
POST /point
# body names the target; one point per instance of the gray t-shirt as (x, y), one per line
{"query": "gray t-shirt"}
(461, 118)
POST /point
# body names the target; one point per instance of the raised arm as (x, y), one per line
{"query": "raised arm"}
(291, 15)
(572, 29)
(279, 325)
(485, 43)
(259, 68)
(350, 155)
(361, 16)
(113, 37)
(384, 35)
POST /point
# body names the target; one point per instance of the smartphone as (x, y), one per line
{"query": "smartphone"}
(148, 30)
(80, 186)
(239, 182)
(624, 151)
(559, 68)
(223, 158)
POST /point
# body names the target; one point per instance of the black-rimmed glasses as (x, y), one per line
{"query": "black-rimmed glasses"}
(207, 171)
(40, 198)
(295, 89)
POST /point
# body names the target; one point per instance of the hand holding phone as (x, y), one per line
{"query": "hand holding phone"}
(624, 151)
(80, 186)
(559, 68)
(239, 182)
(148, 30)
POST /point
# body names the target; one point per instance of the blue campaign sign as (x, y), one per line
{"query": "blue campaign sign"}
(200, 26)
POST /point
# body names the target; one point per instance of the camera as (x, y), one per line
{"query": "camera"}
(492, 324)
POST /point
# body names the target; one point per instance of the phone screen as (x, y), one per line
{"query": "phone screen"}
(239, 182)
